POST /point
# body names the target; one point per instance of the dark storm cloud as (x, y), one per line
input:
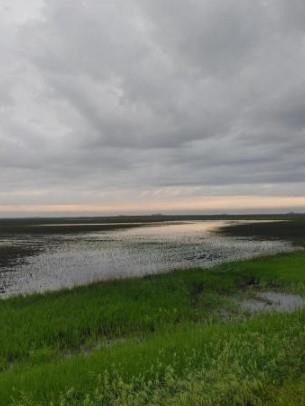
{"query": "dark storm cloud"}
(143, 96)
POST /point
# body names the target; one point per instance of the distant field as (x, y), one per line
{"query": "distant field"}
(289, 229)
(23, 225)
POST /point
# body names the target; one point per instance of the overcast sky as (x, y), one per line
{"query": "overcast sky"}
(151, 105)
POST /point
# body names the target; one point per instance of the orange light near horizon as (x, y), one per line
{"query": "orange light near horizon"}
(215, 203)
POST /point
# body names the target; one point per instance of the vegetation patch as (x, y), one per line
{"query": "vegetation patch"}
(172, 338)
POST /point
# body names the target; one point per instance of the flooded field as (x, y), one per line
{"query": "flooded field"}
(35, 261)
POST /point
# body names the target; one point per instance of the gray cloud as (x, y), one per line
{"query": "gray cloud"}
(125, 98)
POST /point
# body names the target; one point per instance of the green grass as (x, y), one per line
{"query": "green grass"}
(290, 393)
(172, 338)
(265, 351)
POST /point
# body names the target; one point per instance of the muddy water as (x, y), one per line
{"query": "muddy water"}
(69, 260)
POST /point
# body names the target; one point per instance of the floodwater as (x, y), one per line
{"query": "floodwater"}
(63, 261)
(273, 302)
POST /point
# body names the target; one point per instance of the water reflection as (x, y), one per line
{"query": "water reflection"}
(69, 260)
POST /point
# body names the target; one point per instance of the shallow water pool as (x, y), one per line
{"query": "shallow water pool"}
(68, 260)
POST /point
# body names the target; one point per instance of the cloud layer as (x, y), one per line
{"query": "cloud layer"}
(133, 100)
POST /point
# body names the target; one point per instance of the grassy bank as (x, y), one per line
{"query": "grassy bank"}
(173, 338)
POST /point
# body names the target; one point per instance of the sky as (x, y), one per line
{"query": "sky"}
(144, 106)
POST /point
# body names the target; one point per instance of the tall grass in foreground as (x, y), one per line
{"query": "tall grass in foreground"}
(176, 338)
(229, 364)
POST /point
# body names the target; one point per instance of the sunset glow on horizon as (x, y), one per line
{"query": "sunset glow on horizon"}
(202, 205)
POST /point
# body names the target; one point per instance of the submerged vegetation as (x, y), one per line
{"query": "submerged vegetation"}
(180, 338)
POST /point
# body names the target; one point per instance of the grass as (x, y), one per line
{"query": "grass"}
(218, 360)
(290, 393)
(177, 338)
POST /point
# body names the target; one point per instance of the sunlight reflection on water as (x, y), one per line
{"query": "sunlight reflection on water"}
(77, 259)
